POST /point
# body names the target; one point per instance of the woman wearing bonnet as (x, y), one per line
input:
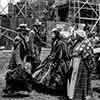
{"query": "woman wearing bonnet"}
(82, 65)
(52, 71)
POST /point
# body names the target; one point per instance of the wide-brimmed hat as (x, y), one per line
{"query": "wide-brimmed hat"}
(23, 27)
(54, 29)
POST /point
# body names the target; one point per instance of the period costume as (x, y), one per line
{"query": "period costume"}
(35, 50)
(96, 51)
(83, 68)
(35, 45)
(52, 71)
(19, 76)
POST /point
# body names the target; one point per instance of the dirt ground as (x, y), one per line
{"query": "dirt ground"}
(4, 59)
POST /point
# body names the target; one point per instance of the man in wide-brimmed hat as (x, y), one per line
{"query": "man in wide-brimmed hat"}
(23, 31)
(21, 47)
(23, 35)
(23, 27)
(20, 42)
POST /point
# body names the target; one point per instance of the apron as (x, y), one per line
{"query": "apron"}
(71, 85)
(75, 65)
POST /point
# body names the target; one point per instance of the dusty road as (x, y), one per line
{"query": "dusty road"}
(4, 59)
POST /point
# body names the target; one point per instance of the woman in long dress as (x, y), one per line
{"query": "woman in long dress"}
(83, 68)
(19, 77)
(51, 74)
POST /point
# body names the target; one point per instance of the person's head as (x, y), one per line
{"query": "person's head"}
(55, 34)
(23, 31)
(79, 35)
(37, 27)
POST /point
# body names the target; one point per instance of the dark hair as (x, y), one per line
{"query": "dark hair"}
(57, 36)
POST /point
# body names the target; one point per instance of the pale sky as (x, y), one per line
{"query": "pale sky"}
(3, 5)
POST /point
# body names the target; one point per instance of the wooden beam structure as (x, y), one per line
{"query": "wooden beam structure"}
(3, 10)
(7, 30)
(20, 10)
(78, 6)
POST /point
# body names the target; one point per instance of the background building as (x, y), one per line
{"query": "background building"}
(52, 12)
(80, 10)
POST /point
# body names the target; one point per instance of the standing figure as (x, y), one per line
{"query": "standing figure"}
(52, 71)
(36, 39)
(35, 45)
(83, 67)
(19, 77)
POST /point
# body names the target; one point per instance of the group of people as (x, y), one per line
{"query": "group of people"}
(69, 67)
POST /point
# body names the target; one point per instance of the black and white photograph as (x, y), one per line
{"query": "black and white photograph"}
(49, 50)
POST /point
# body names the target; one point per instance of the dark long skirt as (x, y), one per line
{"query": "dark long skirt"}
(51, 75)
(18, 80)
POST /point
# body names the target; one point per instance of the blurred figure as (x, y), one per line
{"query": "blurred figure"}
(35, 49)
(35, 38)
(20, 44)
(19, 77)
(71, 25)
